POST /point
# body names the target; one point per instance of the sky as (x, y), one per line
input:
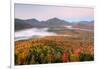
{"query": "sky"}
(45, 12)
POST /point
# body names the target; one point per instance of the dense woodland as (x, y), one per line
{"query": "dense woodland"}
(55, 49)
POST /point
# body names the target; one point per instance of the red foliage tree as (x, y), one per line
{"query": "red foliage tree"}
(65, 57)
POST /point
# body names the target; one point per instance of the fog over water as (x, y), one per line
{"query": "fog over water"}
(33, 32)
(41, 32)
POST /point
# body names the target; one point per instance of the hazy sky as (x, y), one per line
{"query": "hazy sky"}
(40, 12)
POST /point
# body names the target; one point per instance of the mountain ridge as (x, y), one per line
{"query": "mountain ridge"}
(53, 22)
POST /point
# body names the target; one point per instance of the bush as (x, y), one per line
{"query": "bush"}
(86, 57)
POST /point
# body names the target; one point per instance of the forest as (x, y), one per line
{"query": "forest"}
(54, 49)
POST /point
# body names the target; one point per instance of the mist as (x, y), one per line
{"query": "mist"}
(33, 32)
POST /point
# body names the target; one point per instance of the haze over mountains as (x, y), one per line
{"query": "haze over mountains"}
(50, 23)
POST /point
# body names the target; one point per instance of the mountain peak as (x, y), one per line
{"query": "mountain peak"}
(32, 21)
(54, 18)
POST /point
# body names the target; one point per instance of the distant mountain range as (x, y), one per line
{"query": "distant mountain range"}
(53, 22)
(21, 24)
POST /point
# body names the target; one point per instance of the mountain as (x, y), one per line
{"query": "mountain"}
(55, 22)
(85, 24)
(32, 21)
(50, 23)
(29, 23)
(21, 24)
